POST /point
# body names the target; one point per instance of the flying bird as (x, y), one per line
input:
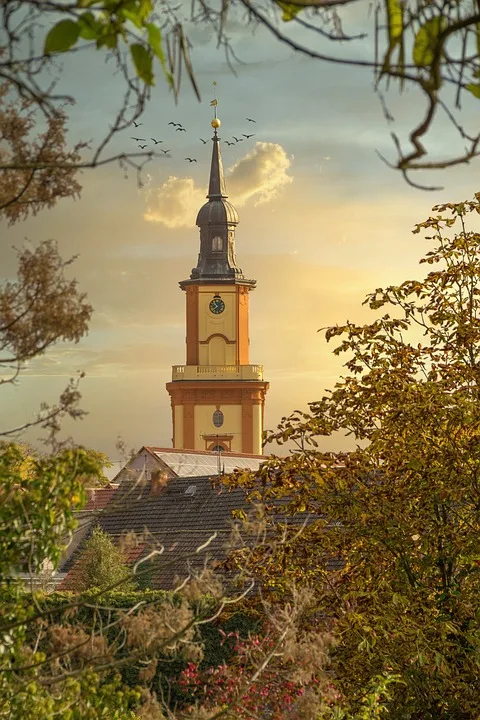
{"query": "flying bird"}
(248, 136)
(137, 124)
(180, 129)
(164, 151)
(237, 139)
(191, 159)
(142, 147)
(175, 124)
(228, 143)
(139, 139)
(156, 141)
(203, 141)
(250, 120)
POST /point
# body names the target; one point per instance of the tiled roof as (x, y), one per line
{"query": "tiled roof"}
(98, 498)
(187, 503)
(177, 514)
(180, 518)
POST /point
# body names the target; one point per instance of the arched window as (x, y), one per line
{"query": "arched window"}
(217, 243)
(218, 448)
(217, 350)
(218, 418)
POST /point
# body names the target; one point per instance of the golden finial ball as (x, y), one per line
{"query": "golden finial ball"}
(216, 123)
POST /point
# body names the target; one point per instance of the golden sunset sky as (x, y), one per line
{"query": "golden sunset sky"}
(322, 222)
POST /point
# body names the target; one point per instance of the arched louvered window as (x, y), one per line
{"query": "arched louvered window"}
(217, 243)
(218, 448)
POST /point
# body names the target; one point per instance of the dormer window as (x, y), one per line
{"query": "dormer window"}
(217, 244)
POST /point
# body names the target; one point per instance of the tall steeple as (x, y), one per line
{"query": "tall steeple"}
(216, 186)
(218, 396)
(217, 220)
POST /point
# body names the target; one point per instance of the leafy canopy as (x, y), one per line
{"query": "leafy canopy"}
(391, 538)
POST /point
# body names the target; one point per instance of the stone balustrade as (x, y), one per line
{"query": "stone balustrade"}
(217, 372)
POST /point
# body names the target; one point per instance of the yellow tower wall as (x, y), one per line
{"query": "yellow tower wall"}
(257, 418)
(232, 425)
(217, 334)
(178, 426)
(193, 405)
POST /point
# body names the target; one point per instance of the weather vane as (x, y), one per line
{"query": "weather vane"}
(215, 122)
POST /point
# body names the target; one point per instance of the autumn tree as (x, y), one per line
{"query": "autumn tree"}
(390, 542)
(38, 309)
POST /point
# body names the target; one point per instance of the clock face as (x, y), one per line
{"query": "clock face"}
(217, 305)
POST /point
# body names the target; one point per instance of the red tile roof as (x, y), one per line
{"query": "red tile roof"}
(98, 498)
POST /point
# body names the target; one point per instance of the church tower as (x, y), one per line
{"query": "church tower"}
(217, 397)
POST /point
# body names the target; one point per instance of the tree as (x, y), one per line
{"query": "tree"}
(102, 564)
(43, 172)
(37, 310)
(433, 48)
(37, 170)
(390, 542)
(39, 499)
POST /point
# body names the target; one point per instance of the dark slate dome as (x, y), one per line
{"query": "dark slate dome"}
(217, 212)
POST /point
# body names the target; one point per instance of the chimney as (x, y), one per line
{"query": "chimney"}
(159, 479)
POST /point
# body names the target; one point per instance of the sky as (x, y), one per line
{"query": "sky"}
(323, 221)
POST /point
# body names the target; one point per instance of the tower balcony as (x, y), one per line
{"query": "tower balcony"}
(217, 372)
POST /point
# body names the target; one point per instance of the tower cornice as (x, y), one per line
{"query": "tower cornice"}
(218, 281)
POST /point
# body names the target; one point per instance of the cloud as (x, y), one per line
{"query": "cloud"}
(259, 175)
(175, 203)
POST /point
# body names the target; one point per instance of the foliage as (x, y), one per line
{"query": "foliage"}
(215, 637)
(432, 48)
(391, 529)
(107, 24)
(102, 564)
(39, 496)
(38, 309)
(39, 169)
(140, 39)
(85, 698)
(285, 687)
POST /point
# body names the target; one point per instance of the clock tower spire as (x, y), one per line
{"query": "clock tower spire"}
(217, 220)
(218, 396)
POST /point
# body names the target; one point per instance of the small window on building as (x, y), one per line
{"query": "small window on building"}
(217, 243)
(218, 418)
(218, 448)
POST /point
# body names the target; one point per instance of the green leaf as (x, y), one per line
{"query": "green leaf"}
(90, 28)
(145, 9)
(108, 37)
(474, 89)
(395, 21)
(143, 63)
(155, 42)
(289, 11)
(426, 41)
(395, 36)
(62, 37)
(133, 16)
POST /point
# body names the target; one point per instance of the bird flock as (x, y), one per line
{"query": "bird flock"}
(178, 127)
